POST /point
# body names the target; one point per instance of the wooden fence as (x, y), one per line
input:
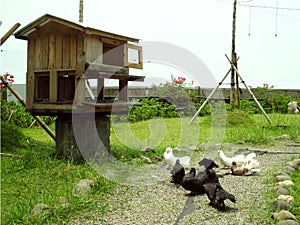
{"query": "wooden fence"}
(200, 93)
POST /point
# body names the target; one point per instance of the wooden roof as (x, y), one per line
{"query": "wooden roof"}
(45, 19)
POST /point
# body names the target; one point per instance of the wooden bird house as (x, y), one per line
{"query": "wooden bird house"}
(63, 59)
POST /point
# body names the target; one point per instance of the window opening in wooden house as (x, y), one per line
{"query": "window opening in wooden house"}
(112, 55)
(66, 87)
(42, 90)
(133, 56)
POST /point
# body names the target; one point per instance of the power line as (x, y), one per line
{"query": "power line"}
(264, 9)
(269, 7)
(276, 18)
(241, 3)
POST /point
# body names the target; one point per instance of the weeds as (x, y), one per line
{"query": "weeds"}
(36, 176)
(295, 209)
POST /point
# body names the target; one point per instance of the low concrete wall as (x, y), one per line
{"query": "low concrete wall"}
(141, 92)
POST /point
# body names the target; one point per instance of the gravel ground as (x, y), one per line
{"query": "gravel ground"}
(165, 203)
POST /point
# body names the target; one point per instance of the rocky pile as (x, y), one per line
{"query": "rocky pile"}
(284, 200)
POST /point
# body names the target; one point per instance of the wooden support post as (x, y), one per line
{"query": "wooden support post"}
(232, 88)
(233, 57)
(38, 119)
(238, 92)
(123, 89)
(236, 81)
(100, 89)
(82, 136)
(251, 93)
(80, 11)
(210, 95)
(7, 35)
(87, 86)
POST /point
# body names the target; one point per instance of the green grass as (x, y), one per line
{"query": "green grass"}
(258, 130)
(296, 194)
(36, 176)
(252, 129)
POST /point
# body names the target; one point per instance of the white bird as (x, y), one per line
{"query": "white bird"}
(170, 159)
(239, 159)
(293, 107)
(248, 168)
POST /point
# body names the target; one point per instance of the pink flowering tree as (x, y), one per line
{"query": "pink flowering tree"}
(175, 92)
(9, 78)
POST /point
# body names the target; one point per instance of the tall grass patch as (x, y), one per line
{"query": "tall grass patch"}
(32, 175)
(295, 209)
(256, 129)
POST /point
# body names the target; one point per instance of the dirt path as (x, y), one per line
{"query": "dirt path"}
(164, 203)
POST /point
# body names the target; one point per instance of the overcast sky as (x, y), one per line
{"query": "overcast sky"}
(202, 27)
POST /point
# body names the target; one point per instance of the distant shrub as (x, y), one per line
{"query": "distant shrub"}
(237, 117)
(151, 108)
(271, 100)
(11, 137)
(275, 104)
(16, 113)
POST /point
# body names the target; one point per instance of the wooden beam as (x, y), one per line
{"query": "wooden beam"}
(53, 85)
(100, 89)
(81, 11)
(106, 68)
(123, 90)
(38, 119)
(210, 95)
(9, 33)
(233, 58)
(99, 75)
(251, 93)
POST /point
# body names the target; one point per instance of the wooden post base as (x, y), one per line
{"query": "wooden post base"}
(82, 137)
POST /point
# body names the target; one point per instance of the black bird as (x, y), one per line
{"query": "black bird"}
(217, 195)
(208, 176)
(206, 172)
(208, 164)
(177, 172)
(190, 183)
(211, 177)
(194, 185)
(190, 174)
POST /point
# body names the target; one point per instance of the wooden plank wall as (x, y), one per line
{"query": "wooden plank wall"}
(93, 49)
(80, 68)
(30, 72)
(53, 52)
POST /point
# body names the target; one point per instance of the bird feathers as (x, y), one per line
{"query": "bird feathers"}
(206, 181)
(195, 183)
(177, 172)
(250, 167)
(239, 159)
(170, 159)
(217, 195)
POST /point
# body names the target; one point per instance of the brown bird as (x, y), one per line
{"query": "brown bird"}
(248, 168)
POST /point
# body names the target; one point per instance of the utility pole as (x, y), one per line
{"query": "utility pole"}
(234, 76)
(80, 11)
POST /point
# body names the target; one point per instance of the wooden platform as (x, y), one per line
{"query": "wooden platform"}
(104, 108)
(107, 107)
(95, 71)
